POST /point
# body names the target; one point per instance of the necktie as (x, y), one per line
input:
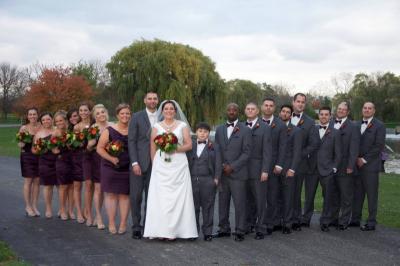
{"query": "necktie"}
(365, 122)
(296, 115)
(323, 127)
(267, 121)
(249, 124)
(201, 142)
(229, 124)
(338, 121)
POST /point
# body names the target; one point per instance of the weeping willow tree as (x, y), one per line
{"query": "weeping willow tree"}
(174, 71)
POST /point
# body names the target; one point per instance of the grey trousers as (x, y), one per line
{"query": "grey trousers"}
(138, 185)
(342, 198)
(204, 190)
(237, 190)
(274, 202)
(298, 185)
(258, 191)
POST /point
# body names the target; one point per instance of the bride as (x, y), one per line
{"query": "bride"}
(170, 208)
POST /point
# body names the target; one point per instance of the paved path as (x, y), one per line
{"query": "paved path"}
(55, 242)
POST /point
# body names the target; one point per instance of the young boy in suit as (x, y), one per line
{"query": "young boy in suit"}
(202, 159)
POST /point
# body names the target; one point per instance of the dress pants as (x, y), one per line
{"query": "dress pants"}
(138, 184)
(258, 190)
(204, 190)
(342, 198)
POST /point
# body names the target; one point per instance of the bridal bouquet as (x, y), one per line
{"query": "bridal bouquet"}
(24, 137)
(166, 142)
(115, 148)
(75, 139)
(40, 146)
(92, 132)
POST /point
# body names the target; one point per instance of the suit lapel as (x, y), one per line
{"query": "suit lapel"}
(146, 118)
(225, 133)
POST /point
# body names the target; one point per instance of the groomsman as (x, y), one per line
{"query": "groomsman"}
(310, 144)
(350, 139)
(258, 165)
(278, 135)
(290, 163)
(202, 160)
(139, 153)
(234, 141)
(324, 163)
(372, 143)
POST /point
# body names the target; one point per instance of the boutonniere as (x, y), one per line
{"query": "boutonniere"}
(301, 122)
(273, 125)
(327, 131)
(236, 129)
(257, 125)
(343, 126)
(289, 129)
(210, 145)
(370, 125)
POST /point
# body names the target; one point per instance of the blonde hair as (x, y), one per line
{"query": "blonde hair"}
(63, 114)
(99, 106)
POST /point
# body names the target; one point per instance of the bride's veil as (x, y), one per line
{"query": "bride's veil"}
(179, 114)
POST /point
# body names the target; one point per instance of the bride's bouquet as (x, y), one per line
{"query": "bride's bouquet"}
(166, 142)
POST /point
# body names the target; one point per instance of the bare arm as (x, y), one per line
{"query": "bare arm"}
(101, 148)
(187, 141)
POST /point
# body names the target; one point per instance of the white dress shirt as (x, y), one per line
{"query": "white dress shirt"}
(252, 122)
(337, 125)
(200, 148)
(152, 117)
(270, 119)
(295, 120)
(230, 129)
(322, 130)
(364, 126)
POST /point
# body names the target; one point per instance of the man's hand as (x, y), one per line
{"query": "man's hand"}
(264, 177)
(289, 173)
(136, 169)
(349, 171)
(360, 162)
(277, 170)
(216, 181)
(227, 170)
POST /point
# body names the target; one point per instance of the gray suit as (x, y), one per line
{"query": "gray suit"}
(343, 193)
(310, 142)
(260, 161)
(235, 152)
(139, 151)
(372, 143)
(322, 162)
(202, 171)
(291, 160)
(278, 136)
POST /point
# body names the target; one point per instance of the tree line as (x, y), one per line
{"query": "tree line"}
(174, 71)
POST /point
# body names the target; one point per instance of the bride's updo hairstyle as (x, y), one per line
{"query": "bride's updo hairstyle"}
(167, 102)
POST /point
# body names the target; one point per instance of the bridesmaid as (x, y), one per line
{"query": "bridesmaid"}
(115, 170)
(100, 115)
(30, 164)
(77, 156)
(47, 162)
(73, 119)
(63, 164)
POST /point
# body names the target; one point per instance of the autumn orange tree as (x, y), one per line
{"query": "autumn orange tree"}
(57, 88)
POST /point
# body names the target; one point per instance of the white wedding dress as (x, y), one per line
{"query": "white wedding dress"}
(170, 208)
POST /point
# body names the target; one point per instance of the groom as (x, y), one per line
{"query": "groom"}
(139, 153)
(234, 140)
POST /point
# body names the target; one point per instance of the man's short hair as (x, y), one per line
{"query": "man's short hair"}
(203, 125)
(299, 94)
(326, 108)
(268, 99)
(287, 106)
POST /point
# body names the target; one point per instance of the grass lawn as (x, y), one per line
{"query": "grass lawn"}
(8, 144)
(7, 257)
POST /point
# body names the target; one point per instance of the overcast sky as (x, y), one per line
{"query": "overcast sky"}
(300, 44)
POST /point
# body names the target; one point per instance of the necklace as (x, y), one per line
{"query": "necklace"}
(169, 127)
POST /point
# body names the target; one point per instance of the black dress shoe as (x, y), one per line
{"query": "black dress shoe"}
(208, 237)
(137, 235)
(354, 224)
(277, 228)
(250, 230)
(304, 224)
(239, 237)
(259, 236)
(324, 228)
(334, 223)
(269, 231)
(286, 230)
(296, 227)
(342, 227)
(223, 234)
(367, 227)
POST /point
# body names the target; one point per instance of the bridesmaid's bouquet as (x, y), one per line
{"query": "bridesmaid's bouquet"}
(92, 132)
(75, 139)
(24, 137)
(40, 146)
(57, 141)
(115, 148)
(166, 142)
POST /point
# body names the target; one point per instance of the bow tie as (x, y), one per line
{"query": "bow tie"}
(322, 127)
(202, 142)
(296, 115)
(249, 124)
(230, 124)
(267, 121)
(338, 121)
(365, 122)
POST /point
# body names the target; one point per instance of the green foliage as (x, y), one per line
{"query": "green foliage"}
(174, 71)
(8, 144)
(7, 257)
